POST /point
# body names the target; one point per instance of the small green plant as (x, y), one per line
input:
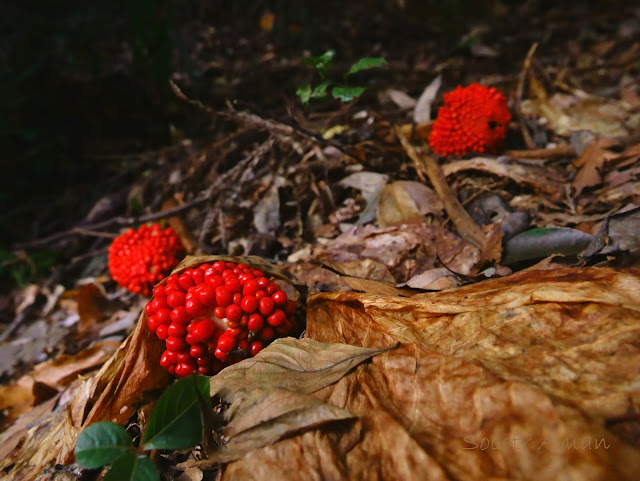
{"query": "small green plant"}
(342, 91)
(176, 423)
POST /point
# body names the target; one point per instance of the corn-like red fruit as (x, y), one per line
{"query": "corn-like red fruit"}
(473, 119)
(138, 259)
(215, 315)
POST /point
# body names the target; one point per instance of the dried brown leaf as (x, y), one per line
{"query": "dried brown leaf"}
(539, 177)
(270, 393)
(512, 378)
(65, 368)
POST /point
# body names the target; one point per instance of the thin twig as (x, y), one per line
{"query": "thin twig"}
(519, 92)
(559, 151)
(465, 225)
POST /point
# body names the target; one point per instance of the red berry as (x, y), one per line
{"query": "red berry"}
(233, 284)
(180, 314)
(243, 345)
(203, 330)
(153, 323)
(175, 344)
(280, 298)
(213, 279)
(255, 348)
(266, 306)
(207, 295)
(204, 370)
(197, 275)
(277, 318)
(183, 357)
(220, 312)
(263, 282)
(176, 299)
(162, 332)
(190, 339)
(272, 289)
(195, 308)
(220, 354)
(184, 370)
(158, 291)
(237, 298)
(197, 350)
(164, 316)
(219, 266)
(267, 334)
(260, 294)
(186, 281)
(255, 323)
(150, 309)
(168, 358)
(250, 288)
(226, 343)
(224, 296)
(233, 312)
(249, 304)
(177, 330)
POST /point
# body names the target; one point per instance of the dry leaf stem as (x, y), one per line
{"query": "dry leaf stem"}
(425, 164)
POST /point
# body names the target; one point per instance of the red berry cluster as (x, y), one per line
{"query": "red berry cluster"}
(139, 259)
(217, 314)
(473, 119)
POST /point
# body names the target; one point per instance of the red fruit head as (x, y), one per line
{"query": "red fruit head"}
(473, 119)
(215, 315)
(138, 259)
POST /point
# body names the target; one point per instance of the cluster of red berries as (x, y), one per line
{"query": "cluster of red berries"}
(139, 259)
(473, 119)
(217, 314)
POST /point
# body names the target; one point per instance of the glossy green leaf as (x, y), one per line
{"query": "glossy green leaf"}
(101, 444)
(540, 243)
(176, 421)
(321, 62)
(347, 94)
(366, 63)
(130, 467)
(203, 387)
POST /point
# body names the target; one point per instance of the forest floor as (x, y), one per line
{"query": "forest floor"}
(346, 196)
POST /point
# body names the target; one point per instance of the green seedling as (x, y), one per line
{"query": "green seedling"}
(342, 91)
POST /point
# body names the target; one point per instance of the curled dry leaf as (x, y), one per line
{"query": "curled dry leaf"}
(510, 378)
(542, 178)
(269, 394)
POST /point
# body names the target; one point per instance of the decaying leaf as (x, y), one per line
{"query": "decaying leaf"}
(269, 394)
(369, 184)
(543, 179)
(404, 202)
(581, 111)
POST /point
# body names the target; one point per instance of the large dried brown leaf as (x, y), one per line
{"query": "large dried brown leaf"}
(512, 378)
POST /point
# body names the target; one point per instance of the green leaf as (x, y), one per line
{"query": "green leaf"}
(347, 94)
(176, 421)
(320, 91)
(100, 444)
(365, 64)
(203, 387)
(321, 62)
(130, 467)
(540, 243)
(304, 93)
